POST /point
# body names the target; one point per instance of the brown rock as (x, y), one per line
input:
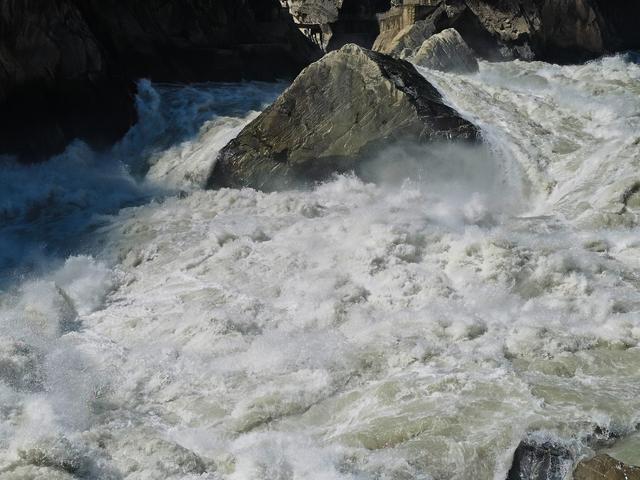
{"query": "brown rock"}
(405, 42)
(604, 467)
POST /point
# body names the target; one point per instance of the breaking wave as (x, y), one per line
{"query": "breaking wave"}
(413, 322)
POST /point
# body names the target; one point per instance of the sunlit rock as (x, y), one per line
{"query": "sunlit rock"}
(336, 112)
(604, 467)
(446, 51)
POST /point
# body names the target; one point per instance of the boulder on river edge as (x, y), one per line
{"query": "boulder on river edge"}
(540, 460)
(604, 467)
(337, 111)
(547, 460)
(448, 52)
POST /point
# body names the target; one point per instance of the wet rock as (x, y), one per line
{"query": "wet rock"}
(57, 453)
(597, 246)
(604, 467)
(336, 112)
(448, 52)
(68, 67)
(31, 472)
(142, 450)
(20, 365)
(540, 461)
(631, 197)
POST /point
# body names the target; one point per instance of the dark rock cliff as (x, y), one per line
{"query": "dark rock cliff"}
(565, 31)
(68, 67)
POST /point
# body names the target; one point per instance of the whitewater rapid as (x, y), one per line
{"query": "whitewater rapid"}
(416, 325)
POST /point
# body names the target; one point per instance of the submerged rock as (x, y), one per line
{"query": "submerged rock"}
(604, 467)
(57, 453)
(338, 110)
(20, 365)
(446, 51)
(540, 461)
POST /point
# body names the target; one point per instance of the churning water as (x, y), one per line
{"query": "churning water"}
(417, 325)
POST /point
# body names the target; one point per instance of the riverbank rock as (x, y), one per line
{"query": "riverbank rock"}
(336, 112)
(546, 460)
(565, 31)
(604, 467)
(68, 67)
(448, 52)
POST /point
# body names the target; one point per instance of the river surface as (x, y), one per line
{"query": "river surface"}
(416, 325)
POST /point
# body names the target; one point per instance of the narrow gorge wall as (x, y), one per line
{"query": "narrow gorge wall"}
(68, 67)
(565, 31)
(334, 23)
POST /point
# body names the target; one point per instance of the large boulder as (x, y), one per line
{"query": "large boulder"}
(337, 111)
(68, 67)
(446, 51)
(540, 460)
(604, 467)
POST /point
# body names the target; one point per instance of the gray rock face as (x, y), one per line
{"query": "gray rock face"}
(551, 30)
(448, 52)
(315, 11)
(604, 467)
(334, 23)
(57, 453)
(338, 109)
(540, 461)
(404, 43)
(556, 30)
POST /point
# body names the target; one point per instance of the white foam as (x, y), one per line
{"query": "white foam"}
(418, 326)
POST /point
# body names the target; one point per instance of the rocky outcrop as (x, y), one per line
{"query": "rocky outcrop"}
(334, 23)
(404, 43)
(67, 67)
(604, 467)
(336, 112)
(448, 52)
(545, 460)
(560, 30)
(550, 30)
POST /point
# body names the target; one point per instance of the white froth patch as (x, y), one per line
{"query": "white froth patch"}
(354, 315)
(413, 327)
(572, 129)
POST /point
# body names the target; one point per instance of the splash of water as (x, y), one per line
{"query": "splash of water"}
(412, 325)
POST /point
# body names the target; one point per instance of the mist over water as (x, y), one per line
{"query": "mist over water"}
(413, 320)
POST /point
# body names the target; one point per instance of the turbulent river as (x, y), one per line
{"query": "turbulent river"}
(416, 322)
